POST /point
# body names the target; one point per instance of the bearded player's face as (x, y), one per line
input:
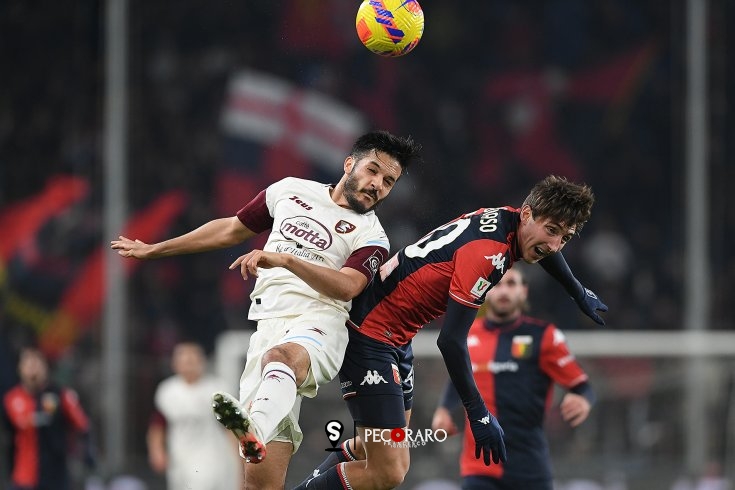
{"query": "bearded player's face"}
(506, 299)
(370, 180)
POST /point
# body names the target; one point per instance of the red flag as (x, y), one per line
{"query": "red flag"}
(81, 303)
(612, 80)
(22, 220)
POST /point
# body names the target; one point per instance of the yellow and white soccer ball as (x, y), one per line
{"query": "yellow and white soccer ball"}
(390, 27)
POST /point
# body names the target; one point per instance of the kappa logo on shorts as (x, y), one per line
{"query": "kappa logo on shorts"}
(373, 378)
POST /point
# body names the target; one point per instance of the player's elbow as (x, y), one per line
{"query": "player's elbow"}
(349, 286)
(344, 295)
(344, 291)
(446, 343)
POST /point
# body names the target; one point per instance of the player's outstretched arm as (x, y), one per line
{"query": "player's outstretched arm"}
(587, 300)
(452, 343)
(216, 234)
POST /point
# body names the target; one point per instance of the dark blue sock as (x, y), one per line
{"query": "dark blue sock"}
(329, 480)
(333, 459)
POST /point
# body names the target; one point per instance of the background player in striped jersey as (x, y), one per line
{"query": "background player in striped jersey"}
(325, 245)
(448, 271)
(516, 360)
(42, 417)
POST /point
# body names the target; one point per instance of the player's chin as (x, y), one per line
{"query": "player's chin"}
(531, 259)
(370, 205)
(534, 254)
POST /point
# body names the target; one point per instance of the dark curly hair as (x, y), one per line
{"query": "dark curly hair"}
(403, 148)
(564, 202)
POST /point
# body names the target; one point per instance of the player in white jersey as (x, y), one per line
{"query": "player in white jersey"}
(325, 245)
(183, 438)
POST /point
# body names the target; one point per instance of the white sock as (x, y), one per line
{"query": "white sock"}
(274, 400)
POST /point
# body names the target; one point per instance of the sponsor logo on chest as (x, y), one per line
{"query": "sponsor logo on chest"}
(301, 203)
(307, 232)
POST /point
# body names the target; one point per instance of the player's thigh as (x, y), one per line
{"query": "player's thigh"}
(270, 474)
(323, 334)
(371, 385)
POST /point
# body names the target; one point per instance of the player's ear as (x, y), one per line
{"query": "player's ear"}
(526, 213)
(349, 164)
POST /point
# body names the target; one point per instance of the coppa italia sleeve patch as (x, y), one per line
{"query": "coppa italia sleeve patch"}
(480, 287)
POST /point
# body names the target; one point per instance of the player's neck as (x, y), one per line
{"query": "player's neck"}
(502, 319)
(337, 194)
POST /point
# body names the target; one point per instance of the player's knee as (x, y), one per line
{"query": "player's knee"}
(392, 478)
(277, 354)
(392, 475)
(293, 356)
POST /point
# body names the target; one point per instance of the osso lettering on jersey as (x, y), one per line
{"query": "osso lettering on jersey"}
(489, 220)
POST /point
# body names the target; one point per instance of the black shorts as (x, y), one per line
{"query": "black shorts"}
(377, 382)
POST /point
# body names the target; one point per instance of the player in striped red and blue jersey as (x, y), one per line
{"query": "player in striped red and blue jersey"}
(516, 360)
(448, 271)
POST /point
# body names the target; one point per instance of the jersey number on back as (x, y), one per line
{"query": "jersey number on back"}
(441, 236)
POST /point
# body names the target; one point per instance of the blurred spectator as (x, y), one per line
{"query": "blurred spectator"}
(41, 415)
(184, 439)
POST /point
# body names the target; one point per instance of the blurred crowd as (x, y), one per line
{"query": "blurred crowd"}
(500, 93)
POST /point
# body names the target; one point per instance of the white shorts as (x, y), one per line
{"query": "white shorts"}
(322, 332)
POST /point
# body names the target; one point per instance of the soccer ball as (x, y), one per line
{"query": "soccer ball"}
(390, 27)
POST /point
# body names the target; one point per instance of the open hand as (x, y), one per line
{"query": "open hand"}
(130, 248)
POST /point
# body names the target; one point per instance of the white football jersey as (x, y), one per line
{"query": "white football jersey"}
(202, 454)
(308, 224)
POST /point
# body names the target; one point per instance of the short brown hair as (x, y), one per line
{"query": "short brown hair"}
(562, 201)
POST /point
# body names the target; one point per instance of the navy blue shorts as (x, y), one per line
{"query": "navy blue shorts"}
(377, 381)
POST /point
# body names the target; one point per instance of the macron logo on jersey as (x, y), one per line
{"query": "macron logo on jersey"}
(373, 378)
